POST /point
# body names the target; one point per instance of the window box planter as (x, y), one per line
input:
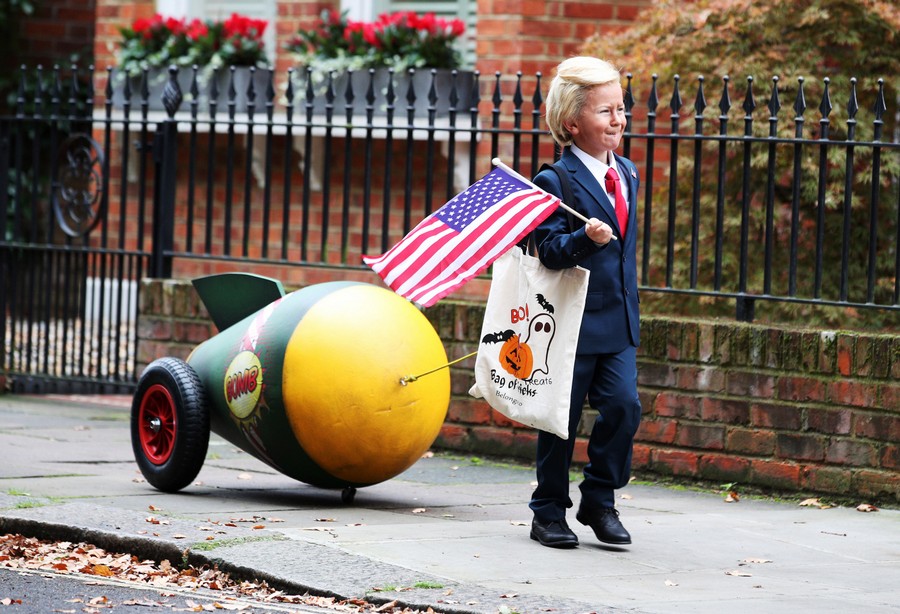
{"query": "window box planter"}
(157, 78)
(421, 80)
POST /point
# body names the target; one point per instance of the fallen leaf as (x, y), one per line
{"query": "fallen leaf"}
(179, 536)
(322, 529)
(756, 561)
(518, 523)
(866, 507)
(626, 496)
(737, 572)
(324, 519)
(670, 583)
(419, 510)
(428, 454)
(259, 526)
(509, 596)
(732, 497)
(244, 476)
(810, 503)
(102, 570)
(153, 508)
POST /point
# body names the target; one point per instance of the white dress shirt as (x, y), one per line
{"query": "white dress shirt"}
(598, 170)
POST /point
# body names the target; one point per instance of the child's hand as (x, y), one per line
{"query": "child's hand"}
(599, 232)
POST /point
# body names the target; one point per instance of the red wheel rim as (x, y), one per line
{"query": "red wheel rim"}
(157, 424)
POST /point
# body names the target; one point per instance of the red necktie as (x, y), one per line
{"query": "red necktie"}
(613, 186)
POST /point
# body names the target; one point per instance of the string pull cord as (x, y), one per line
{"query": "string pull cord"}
(406, 379)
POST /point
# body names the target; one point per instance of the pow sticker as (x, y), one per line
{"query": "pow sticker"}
(243, 384)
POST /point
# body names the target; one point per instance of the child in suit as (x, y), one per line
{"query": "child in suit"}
(585, 112)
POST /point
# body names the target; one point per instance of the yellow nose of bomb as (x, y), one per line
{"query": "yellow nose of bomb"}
(342, 387)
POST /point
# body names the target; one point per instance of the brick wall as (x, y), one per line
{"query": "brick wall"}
(794, 410)
(57, 29)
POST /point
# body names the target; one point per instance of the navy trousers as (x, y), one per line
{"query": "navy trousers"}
(609, 382)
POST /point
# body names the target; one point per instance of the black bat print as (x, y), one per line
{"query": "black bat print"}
(497, 337)
(543, 302)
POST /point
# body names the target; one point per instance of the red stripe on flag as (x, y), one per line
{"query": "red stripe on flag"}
(433, 263)
(454, 276)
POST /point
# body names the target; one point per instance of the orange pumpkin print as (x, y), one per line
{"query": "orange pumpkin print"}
(516, 358)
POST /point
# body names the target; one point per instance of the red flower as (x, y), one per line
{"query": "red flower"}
(428, 22)
(370, 34)
(457, 27)
(142, 25)
(244, 27)
(176, 26)
(196, 30)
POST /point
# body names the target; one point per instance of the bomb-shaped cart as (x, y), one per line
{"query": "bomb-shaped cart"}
(314, 383)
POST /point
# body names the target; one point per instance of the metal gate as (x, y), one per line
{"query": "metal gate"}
(69, 271)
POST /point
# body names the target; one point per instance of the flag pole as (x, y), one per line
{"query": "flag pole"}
(498, 162)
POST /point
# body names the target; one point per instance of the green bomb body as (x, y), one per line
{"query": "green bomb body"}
(312, 383)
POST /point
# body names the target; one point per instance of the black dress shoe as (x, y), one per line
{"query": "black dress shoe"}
(555, 534)
(606, 525)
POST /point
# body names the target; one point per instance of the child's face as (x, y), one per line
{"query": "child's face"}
(601, 124)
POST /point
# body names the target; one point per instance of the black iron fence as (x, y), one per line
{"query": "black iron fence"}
(740, 204)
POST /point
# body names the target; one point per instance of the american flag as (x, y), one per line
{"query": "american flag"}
(462, 238)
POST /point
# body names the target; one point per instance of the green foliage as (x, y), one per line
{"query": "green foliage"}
(802, 57)
(159, 41)
(11, 13)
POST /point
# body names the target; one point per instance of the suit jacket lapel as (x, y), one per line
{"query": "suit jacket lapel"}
(583, 177)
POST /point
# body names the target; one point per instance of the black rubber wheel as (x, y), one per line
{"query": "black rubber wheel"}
(348, 494)
(169, 424)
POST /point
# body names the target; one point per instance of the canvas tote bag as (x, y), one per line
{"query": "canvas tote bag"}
(526, 353)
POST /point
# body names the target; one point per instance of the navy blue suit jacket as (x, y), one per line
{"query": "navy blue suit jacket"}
(611, 314)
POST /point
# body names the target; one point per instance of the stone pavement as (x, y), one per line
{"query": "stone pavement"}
(450, 533)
